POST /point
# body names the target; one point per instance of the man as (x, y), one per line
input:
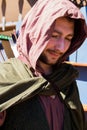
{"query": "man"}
(38, 90)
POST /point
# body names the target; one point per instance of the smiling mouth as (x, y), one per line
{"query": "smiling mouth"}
(55, 53)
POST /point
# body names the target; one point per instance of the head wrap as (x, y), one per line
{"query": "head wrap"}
(37, 27)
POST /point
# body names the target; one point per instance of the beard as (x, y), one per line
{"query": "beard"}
(43, 58)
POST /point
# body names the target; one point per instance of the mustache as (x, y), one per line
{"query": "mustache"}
(56, 52)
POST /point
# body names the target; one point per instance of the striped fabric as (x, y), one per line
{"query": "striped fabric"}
(79, 3)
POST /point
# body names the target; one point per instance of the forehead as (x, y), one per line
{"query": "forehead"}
(67, 20)
(64, 23)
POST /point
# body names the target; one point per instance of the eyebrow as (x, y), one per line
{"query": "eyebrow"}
(71, 35)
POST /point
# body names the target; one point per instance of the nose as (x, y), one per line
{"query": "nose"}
(60, 45)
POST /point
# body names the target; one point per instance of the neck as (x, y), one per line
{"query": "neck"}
(46, 69)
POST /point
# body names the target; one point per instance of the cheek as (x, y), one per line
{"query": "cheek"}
(67, 45)
(51, 43)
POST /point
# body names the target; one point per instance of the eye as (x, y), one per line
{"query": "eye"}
(68, 39)
(55, 35)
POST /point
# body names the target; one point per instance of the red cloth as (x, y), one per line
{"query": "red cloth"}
(2, 117)
(54, 110)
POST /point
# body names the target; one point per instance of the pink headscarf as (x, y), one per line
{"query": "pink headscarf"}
(36, 28)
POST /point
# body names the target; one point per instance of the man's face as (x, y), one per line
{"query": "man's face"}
(60, 41)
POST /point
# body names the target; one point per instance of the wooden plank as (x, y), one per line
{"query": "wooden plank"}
(11, 9)
(85, 107)
(10, 28)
